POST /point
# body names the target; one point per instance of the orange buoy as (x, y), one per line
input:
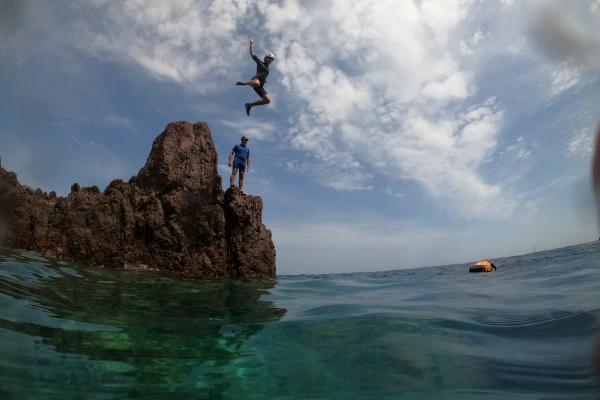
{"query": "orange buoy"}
(482, 266)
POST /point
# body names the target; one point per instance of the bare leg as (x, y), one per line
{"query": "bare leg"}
(265, 100)
(252, 82)
(232, 177)
(241, 180)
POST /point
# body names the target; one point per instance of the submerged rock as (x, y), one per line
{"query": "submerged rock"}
(172, 216)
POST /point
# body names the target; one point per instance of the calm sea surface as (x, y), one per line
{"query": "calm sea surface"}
(525, 331)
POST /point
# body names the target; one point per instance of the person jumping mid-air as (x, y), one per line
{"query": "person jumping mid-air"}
(258, 81)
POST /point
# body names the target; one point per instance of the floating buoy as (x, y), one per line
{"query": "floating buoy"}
(482, 266)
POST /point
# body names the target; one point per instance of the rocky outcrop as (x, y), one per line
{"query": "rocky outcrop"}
(247, 237)
(172, 216)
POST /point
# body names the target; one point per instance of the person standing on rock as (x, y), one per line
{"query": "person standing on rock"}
(258, 81)
(240, 154)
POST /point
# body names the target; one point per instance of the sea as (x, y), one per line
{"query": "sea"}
(524, 331)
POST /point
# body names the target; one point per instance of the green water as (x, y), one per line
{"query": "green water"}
(525, 331)
(103, 334)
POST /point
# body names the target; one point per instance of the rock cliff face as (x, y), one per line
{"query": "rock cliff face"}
(172, 216)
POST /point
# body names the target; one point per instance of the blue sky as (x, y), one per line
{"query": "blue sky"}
(400, 134)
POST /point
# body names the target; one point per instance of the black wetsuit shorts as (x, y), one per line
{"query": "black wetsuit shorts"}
(262, 71)
(260, 90)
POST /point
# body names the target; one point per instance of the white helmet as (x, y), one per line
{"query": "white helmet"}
(269, 55)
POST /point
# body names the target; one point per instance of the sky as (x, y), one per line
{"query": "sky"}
(400, 134)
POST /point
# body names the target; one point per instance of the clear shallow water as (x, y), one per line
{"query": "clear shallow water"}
(525, 331)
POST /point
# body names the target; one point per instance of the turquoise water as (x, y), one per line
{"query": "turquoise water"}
(525, 331)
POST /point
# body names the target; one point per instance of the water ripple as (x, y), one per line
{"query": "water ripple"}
(524, 331)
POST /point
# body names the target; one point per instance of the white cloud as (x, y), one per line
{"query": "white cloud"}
(382, 88)
(386, 109)
(69, 119)
(254, 129)
(466, 46)
(520, 146)
(443, 17)
(391, 192)
(285, 14)
(373, 79)
(446, 157)
(581, 144)
(563, 79)
(523, 153)
(477, 37)
(118, 122)
(454, 86)
(180, 40)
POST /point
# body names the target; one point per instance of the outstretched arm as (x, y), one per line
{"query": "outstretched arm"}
(251, 44)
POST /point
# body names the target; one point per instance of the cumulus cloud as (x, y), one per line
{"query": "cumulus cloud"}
(180, 40)
(378, 89)
(378, 82)
(446, 156)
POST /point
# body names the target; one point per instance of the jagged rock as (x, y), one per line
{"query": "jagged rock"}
(250, 243)
(173, 215)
